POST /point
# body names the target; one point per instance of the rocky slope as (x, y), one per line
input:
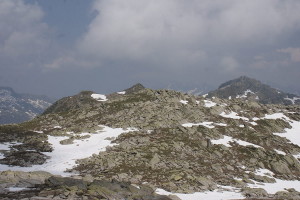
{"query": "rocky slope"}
(16, 108)
(251, 89)
(178, 142)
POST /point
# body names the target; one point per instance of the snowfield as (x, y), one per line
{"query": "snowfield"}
(208, 103)
(227, 139)
(64, 156)
(218, 194)
(233, 115)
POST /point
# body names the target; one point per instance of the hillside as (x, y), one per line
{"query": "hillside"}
(251, 89)
(160, 141)
(17, 108)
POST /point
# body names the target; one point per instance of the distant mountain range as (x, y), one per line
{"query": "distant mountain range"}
(16, 108)
(251, 89)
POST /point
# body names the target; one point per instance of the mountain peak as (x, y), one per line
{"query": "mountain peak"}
(240, 81)
(252, 89)
(135, 88)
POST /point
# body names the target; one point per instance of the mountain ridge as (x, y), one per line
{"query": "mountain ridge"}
(252, 89)
(17, 107)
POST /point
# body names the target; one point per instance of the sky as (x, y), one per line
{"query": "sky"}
(60, 47)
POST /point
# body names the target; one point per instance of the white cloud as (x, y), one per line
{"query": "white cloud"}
(24, 38)
(179, 33)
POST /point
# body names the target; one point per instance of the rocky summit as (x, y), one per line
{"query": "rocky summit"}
(141, 143)
(17, 108)
(251, 89)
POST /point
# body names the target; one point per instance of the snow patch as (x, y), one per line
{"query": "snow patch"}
(99, 97)
(209, 104)
(17, 189)
(279, 185)
(218, 194)
(7, 145)
(227, 139)
(123, 92)
(245, 94)
(38, 131)
(64, 156)
(293, 100)
(183, 101)
(292, 134)
(233, 115)
(253, 123)
(276, 116)
(220, 124)
(280, 152)
(206, 124)
(264, 172)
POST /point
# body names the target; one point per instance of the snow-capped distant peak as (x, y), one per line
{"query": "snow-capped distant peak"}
(245, 94)
(293, 100)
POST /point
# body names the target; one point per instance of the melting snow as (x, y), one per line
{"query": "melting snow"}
(220, 124)
(206, 124)
(183, 102)
(209, 104)
(292, 134)
(264, 172)
(253, 123)
(99, 97)
(64, 156)
(218, 194)
(227, 139)
(233, 115)
(280, 152)
(279, 185)
(123, 92)
(38, 131)
(245, 94)
(276, 116)
(6, 146)
(17, 189)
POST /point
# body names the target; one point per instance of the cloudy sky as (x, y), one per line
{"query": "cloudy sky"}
(60, 47)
